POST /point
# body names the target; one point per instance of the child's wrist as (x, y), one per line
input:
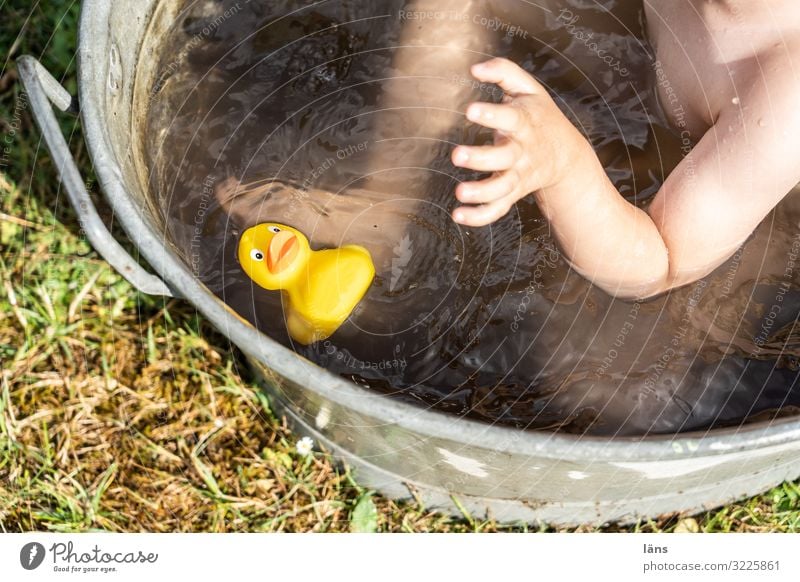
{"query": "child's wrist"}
(578, 172)
(586, 183)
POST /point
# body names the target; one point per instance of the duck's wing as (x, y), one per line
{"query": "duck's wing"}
(337, 281)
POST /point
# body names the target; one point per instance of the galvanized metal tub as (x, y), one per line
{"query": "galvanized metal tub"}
(508, 474)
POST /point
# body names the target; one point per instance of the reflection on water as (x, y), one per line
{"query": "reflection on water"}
(273, 112)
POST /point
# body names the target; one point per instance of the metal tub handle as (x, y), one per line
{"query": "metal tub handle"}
(43, 92)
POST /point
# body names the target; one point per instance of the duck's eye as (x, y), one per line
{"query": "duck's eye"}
(256, 255)
(274, 229)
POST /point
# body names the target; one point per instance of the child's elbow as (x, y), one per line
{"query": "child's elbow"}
(672, 277)
(636, 280)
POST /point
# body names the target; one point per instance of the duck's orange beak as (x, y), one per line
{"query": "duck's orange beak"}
(282, 251)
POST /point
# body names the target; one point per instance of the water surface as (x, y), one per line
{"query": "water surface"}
(275, 111)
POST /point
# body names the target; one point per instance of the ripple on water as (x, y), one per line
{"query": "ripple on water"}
(272, 116)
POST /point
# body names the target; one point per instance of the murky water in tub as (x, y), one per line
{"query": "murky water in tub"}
(277, 111)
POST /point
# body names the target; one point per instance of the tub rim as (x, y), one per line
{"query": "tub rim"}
(92, 30)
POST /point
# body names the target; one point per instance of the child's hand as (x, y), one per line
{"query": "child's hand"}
(535, 145)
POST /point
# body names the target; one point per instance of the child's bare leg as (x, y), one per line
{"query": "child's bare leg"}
(422, 106)
(432, 82)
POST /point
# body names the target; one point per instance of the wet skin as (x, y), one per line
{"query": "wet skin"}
(731, 81)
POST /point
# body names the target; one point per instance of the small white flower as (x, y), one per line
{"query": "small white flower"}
(304, 446)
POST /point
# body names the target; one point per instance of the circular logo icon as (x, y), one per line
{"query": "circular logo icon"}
(31, 555)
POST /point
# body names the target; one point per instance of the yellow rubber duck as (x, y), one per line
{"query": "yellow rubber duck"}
(322, 287)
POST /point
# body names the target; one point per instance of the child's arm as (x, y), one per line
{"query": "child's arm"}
(706, 208)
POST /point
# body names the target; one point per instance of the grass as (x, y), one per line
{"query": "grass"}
(122, 412)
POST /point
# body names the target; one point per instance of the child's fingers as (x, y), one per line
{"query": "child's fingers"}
(483, 214)
(512, 78)
(487, 190)
(505, 118)
(486, 158)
